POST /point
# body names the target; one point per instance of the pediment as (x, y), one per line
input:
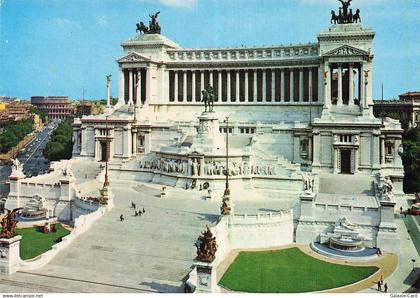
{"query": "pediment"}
(133, 57)
(346, 50)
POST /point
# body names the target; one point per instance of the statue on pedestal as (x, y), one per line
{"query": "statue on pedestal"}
(8, 224)
(16, 166)
(307, 183)
(206, 247)
(208, 98)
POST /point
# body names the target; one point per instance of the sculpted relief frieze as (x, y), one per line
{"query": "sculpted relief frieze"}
(346, 51)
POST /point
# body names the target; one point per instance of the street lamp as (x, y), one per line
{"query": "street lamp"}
(226, 208)
(106, 182)
(227, 191)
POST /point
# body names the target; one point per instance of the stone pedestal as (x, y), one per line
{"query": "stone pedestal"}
(10, 254)
(206, 278)
(209, 138)
(387, 238)
(305, 231)
(13, 199)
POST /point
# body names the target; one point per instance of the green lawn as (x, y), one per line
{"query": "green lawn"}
(288, 271)
(34, 243)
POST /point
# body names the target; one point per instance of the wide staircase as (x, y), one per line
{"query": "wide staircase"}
(283, 166)
(86, 174)
(346, 184)
(151, 253)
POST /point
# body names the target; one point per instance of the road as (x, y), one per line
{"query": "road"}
(30, 156)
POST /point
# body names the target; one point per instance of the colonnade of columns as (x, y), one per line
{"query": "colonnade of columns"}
(132, 85)
(246, 85)
(346, 84)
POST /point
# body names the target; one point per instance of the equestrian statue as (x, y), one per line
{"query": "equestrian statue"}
(208, 98)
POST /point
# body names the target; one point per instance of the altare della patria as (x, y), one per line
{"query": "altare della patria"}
(225, 149)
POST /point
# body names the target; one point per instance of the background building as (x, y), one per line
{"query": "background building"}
(14, 110)
(407, 108)
(56, 107)
(89, 107)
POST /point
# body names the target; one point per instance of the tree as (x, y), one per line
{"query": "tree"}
(60, 145)
(411, 159)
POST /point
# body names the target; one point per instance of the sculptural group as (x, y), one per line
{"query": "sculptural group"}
(345, 15)
(154, 27)
(206, 247)
(8, 224)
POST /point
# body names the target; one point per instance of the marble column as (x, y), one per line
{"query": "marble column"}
(193, 86)
(219, 85)
(246, 85)
(211, 77)
(138, 88)
(176, 85)
(376, 150)
(301, 85)
(237, 85)
(134, 143)
(363, 87)
(321, 95)
(273, 85)
(383, 151)
(310, 93)
(316, 149)
(351, 84)
(201, 80)
(327, 86)
(340, 86)
(108, 93)
(130, 87)
(228, 87)
(282, 85)
(264, 85)
(255, 85)
(292, 85)
(121, 87)
(184, 86)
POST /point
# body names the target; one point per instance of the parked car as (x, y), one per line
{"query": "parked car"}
(415, 209)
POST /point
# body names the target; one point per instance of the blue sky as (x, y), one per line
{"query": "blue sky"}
(59, 47)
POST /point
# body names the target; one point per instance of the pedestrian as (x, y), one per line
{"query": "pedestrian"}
(382, 280)
(134, 205)
(139, 212)
(121, 217)
(386, 288)
(144, 210)
(379, 285)
(136, 213)
(401, 209)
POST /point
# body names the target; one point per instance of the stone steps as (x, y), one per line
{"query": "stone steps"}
(346, 184)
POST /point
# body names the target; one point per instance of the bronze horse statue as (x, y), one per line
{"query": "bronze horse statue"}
(356, 17)
(141, 27)
(334, 17)
(208, 98)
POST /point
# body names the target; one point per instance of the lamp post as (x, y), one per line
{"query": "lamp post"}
(226, 208)
(227, 191)
(106, 182)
